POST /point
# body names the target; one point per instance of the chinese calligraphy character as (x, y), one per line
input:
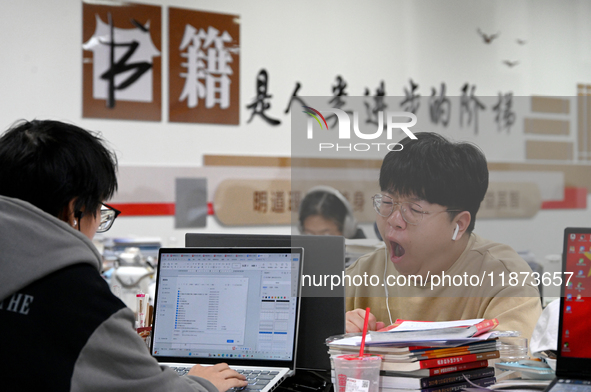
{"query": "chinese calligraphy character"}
(503, 202)
(514, 199)
(212, 67)
(412, 102)
(337, 102)
(294, 97)
(259, 105)
(379, 105)
(122, 62)
(471, 105)
(489, 200)
(294, 200)
(278, 201)
(260, 201)
(505, 117)
(358, 201)
(439, 106)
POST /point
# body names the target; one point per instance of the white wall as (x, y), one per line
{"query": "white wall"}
(312, 41)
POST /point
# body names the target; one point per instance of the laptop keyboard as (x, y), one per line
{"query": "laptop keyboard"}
(257, 379)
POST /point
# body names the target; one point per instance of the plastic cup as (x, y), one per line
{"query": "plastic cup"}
(357, 374)
(512, 348)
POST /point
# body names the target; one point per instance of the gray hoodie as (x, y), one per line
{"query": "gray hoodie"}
(61, 328)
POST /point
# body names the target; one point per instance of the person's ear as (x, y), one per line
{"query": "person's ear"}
(462, 221)
(67, 213)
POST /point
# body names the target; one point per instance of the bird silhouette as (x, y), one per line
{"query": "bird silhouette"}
(510, 64)
(488, 38)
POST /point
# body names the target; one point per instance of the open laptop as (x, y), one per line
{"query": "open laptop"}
(239, 306)
(573, 365)
(325, 255)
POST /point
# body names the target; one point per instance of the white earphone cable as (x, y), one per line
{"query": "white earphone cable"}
(386, 286)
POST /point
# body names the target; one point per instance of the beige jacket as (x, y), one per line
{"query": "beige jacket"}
(517, 306)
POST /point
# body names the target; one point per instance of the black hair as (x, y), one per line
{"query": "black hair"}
(325, 204)
(439, 171)
(49, 163)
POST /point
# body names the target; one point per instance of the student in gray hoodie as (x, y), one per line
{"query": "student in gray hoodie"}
(61, 328)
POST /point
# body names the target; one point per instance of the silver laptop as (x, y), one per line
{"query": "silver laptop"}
(238, 305)
(573, 364)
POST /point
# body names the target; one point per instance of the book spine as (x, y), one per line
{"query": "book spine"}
(430, 382)
(439, 362)
(448, 353)
(481, 382)
(458, 368)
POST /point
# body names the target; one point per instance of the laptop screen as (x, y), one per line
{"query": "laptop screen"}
(574, 345)
(325, 255)
(227, 304)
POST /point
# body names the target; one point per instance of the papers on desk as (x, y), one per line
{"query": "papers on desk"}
(442, 330)
(403, 342)
(426, 333)
(417, 326)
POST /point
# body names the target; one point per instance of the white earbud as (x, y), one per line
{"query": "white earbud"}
(455, 235)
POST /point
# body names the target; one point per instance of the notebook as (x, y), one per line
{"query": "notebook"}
(573, 364)
(325, 255)
(239, 306)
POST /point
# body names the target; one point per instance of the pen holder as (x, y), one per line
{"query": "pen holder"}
(142, 311)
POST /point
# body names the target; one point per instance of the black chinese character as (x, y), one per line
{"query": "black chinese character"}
(439, 107)
(116, 68)
(504, 117)
(471, 105)
(259, 105)
(379, 105)
(412, 102)
(338, 91)
(294, 97)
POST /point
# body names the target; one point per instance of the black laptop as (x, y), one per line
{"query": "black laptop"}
(573, 365)
(322, 311)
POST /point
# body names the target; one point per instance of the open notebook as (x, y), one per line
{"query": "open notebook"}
(573, 365)
(239, 306)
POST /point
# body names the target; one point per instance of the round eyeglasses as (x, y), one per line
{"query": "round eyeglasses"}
(412, 213)
(108, 216)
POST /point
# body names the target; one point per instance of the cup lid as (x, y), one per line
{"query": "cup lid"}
(365, 357)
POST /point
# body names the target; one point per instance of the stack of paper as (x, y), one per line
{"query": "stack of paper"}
(429, 356)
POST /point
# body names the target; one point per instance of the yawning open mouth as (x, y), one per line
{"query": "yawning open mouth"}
(397, 250)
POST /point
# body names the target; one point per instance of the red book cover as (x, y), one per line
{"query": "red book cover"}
(440, 370)
(438, 362)
(458, 368)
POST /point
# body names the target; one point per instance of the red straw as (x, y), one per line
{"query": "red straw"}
(365, 323)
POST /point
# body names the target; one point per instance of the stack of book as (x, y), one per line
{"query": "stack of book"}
(445, 366)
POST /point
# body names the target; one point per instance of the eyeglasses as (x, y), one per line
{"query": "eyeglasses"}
(412, 213)
(108, 216)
